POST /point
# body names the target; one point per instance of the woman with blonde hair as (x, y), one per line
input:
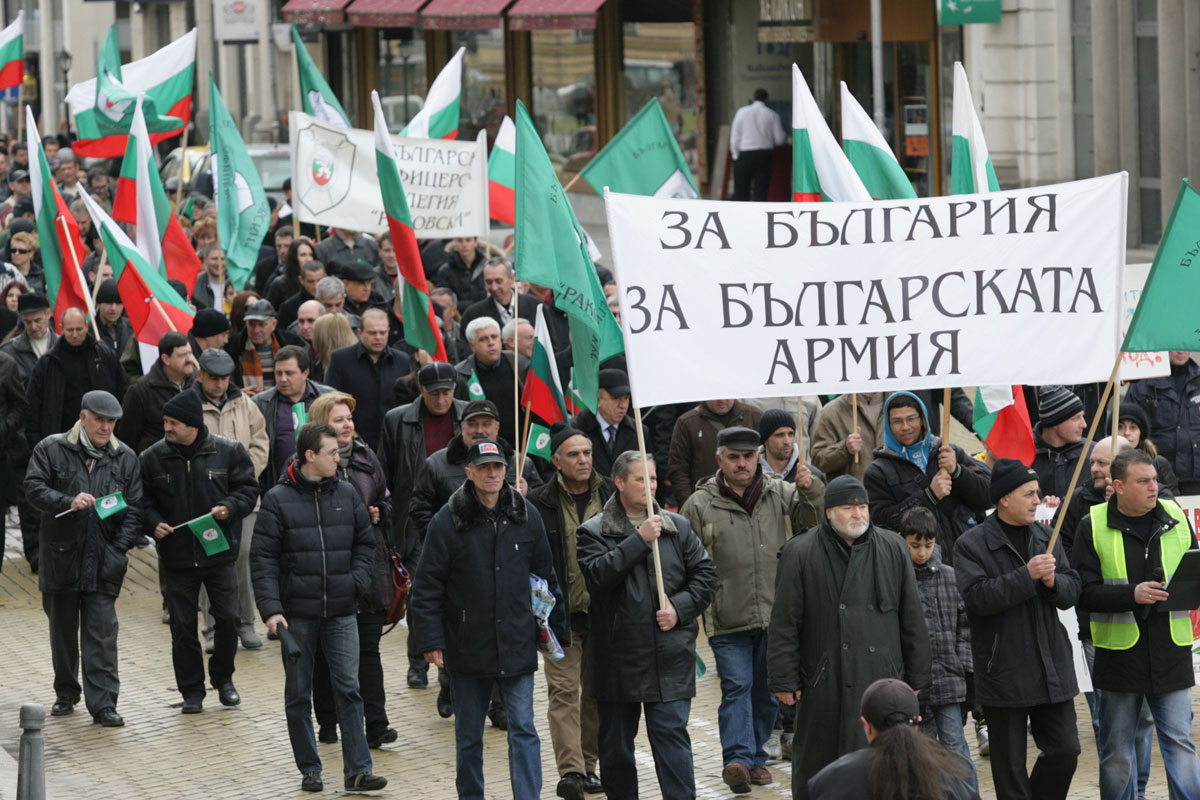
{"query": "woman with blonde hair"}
(22, 250)
(331, 332)
(358, 465)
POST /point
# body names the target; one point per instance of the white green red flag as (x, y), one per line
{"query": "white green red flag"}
(12, 53)
(971, 169)
(142, 201)
(820, 170)
(542, 393)
(1001, 420)
(643, 158)
(59, 241)
(502, 174)
(152, 305)
(243, 214)
(438, 118)
(870, 154)
(316, 98)
(422, 327)
(103, 114)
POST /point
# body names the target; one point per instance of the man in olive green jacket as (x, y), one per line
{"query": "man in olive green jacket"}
(744, 518)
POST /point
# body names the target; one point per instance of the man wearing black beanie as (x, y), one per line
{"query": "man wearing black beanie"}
(1058, 438)
(1024, 669)
(199, 486)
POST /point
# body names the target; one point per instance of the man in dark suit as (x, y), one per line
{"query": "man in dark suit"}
(610, 429)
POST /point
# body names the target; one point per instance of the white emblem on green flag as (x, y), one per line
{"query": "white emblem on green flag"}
(474, 387)
(539, 441)
(242, 211)
(299, 416)
(110, 504)
(208, 532)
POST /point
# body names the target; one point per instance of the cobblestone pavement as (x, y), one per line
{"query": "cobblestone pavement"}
(241, 752)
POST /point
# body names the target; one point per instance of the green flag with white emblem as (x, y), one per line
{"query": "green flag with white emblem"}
(209, 534)
(243, 215)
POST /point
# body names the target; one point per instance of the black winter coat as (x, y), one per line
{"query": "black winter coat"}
(630, 659)
(1021, 651)
(19, 348)
(14, 407)
(1174, 421)
(81, 552)
(847, 779)
(48, 388)
(142, 424)
(178, 490)
(466, 281)
(895, 484)
(548, 502)
(527, 306)
(602, 455)
(363, 472)
(471, 596)
(1154, 664)
(312, 548)
(1054, 466)
(401, 456)
(352, 371)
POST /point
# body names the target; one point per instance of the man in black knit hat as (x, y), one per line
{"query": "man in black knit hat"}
(1059, 440)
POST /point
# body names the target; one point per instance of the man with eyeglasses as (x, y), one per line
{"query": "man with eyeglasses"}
(500, 282)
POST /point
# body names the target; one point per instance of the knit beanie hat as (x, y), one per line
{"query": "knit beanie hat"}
(185, 407)
(845, 490)
(772, 420)
(1056, 405)
(1137, 415)
(1007, 475)
(560, 432)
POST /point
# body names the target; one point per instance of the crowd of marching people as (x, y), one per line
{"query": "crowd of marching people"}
(870, 591)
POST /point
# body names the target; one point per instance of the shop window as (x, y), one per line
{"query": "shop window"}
(483, 102)
(563, 101)
(660, 61)
(401, 78)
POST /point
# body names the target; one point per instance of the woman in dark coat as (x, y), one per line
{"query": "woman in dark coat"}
(360, 467)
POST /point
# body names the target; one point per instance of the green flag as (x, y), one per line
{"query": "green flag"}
(208, 532)
(1165, 318)
(242, 211)
(539, 441)
(474, 387)
(115, 103)
(299, 417)
(110, 504)
(643, 158)
(552, 251)
(317, 99)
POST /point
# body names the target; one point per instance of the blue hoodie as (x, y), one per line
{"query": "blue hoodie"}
(918, 451)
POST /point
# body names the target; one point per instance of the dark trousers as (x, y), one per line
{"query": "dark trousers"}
(666, 727)
(30, 519)
(370, 678)
(752, 168)
(87, 619)
(181, 591)
(1053, 728)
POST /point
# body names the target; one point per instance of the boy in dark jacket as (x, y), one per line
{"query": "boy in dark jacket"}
(949, 636)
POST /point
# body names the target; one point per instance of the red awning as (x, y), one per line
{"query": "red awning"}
(384, 13)
(537, 15)
(314, 12)
(463, 15)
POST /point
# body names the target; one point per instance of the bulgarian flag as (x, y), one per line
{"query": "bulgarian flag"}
(1001, 420)
(316, 98)
(870, 154)
(58, 234)
(502, 174)
(141, 201)
(152, 305)
(422, 327)
(542, 393)
(12, 53)
(820, 170)
(167, 78)
(438, 118)
(971, 168)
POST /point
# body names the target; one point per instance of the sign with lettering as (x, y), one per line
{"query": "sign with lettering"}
(1139, 365)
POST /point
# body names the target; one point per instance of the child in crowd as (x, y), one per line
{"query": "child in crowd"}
(950, 638)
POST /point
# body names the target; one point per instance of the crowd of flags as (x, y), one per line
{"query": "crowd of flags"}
(127, 109)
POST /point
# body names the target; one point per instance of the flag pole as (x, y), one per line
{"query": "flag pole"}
(799, 428)
(183, 159)
(945, 416)
(190, 521)
(516, 379)
(79, 274)
(99, 269)
(854, 418)
(637, 422)
(21, 110)
(1116, 414)
(524, 448)
(1086, 447)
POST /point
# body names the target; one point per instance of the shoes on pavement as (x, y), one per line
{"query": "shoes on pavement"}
(327, 734)
(192, 705)
(250, 638)
(365, 782)
(736, 777)
(418, 678)
(143, 542)
(108, 717)
(773, 748)
(444, 708)
(62, 707)
(387, 737)
(981, 734)
(592, 784)
(760, 775)
(229, 695)
(785, 745)
(570, 787)
(499, 716)
(312, 782)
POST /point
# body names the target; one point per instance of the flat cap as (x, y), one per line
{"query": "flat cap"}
(260, 310)
(738, 438)
(216, 362)
(32, 301)
(102, 404)
(357, 271)
(477, 407)
(437, 375)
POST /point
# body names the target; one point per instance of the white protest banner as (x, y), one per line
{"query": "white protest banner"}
(1139, 365)
(724, 299)
(334, 182)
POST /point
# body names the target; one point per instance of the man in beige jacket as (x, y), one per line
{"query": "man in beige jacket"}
(836, 440)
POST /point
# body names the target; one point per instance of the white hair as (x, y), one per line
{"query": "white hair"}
(478, 325)
(510, 330)
(330, 287)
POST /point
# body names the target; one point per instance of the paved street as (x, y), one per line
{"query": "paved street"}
(235, 753)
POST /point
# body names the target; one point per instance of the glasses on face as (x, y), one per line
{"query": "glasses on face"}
(910, 420)
(19, 251)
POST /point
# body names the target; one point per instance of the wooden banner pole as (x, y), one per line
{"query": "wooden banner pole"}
(854, 418)
(637, 421)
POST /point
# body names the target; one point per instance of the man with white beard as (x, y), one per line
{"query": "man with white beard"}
(847, 613)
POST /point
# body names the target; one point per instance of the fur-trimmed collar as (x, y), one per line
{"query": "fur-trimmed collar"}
(73, 438)
(614, 519)
(466, 511)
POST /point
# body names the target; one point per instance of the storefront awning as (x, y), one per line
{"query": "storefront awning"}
(314, 12)
(463, 15)
(384, 13)
(537, 15)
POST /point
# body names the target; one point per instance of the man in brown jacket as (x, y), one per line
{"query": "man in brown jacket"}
(694, 441)
(836, 441)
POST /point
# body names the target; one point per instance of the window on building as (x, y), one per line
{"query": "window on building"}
(660, 61)
(1149, 161)
(401, 75)
(483, 103)
(1081, 88)
(563, 102)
